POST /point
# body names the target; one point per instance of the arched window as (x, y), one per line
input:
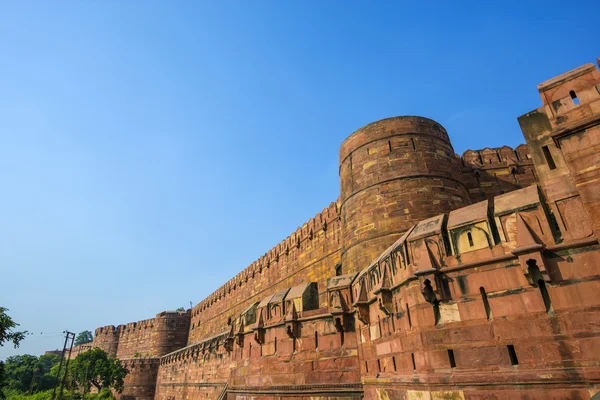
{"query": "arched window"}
(574, 97)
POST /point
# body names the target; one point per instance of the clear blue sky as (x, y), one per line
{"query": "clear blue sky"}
(152, 150)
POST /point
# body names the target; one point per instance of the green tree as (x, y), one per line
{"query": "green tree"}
(19, 371)
(8, 334)
(83, 338)
(180, 309)
(95, 368)
(27, 373)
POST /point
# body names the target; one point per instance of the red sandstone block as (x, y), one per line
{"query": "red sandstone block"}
(584, 294)
(479, 357)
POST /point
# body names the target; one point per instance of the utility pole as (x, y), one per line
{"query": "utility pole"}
(69, 335)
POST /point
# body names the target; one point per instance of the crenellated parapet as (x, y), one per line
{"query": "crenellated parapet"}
(107, 339)
(494, 171)
(315, 246)
(294, 242)
(154, 337)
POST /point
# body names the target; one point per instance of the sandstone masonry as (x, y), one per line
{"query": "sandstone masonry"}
(433, 276)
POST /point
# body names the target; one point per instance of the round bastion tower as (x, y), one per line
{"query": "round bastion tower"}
(394, 173)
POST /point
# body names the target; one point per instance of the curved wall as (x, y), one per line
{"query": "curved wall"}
(394, 173)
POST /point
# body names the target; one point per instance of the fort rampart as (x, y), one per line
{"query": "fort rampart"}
(433, 276)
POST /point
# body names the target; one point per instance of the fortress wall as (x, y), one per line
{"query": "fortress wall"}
(140, 383)
(154, 337)
(317, 359)
(107, 339)
(491, 172)
(442, 298)
(308, 255)
(199, 371)
(320, 359)
(457, 318)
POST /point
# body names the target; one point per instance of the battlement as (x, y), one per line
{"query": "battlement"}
(151, 337)
(307, 232)
(504, 156)
(433, 275)
(106, 330)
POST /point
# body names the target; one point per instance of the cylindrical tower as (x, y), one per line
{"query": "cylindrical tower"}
(394, 173)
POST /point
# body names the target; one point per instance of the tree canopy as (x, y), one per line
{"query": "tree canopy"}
(83, 338)
(27, 373)
(8, 334)
(95, 368)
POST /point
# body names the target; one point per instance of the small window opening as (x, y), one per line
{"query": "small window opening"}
(412, 356)
(338, 269)
(275, 344)
(451, 358)
(574, 97)
(368, 152)
(548, 156)
(228, 320)
(394, 362)
(316, 340)
(412, 140)
(486, 303)
(512, 354)
(390, 145)
(366, 367)
(338, 323)
(470, 238)
(378, 365)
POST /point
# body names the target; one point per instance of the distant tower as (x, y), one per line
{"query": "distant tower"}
(394, 173)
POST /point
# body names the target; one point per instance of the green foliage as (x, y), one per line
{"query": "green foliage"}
(7, 334)
(27, 373)
(83, 338)
(105, 394)
(94, 368)
(180, 309)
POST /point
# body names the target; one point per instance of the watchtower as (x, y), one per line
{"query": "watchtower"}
(394, 173)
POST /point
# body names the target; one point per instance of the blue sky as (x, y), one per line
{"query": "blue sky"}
(152, 150)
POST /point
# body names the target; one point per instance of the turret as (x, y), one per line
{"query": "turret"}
(394, 173)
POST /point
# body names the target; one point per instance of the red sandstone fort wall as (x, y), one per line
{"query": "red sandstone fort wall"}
(140, 382)
(461, 278)
(491, 172)
(309, 254)
(154, 337)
